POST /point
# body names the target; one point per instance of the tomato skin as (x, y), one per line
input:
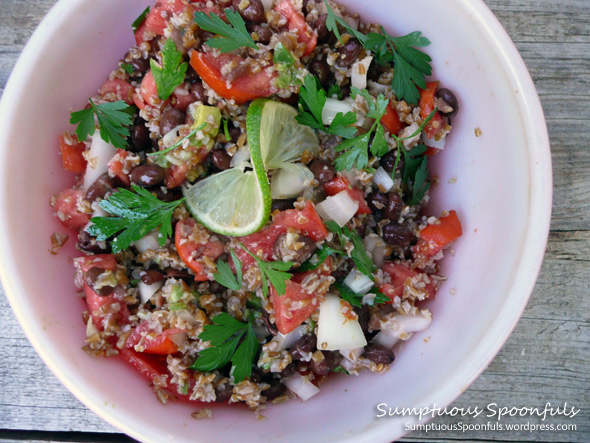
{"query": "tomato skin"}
(102, 261)
(245, 88)
(158, 17)
(391, 121)
(339, 184)
(434, 238)
(399, 274)
(161, 344)
(148, 89)
(120, 87)
(186, 248)
(296, 22)
(117, 166)
(66, 207)
(71, 156)
(427, 106)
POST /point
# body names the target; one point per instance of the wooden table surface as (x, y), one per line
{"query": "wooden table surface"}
(547, 358)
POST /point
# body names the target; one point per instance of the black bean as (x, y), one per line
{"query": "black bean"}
(321, 28)
(88, 243)
(147, 175)
(234, 134)
(179, 274)
(198, 91)
(282, 250)
(90, 278)
(101, 187)
(276, 389)
(306, 343)
(321, 70)
(256, 375)
(397, 234)
(328, 364)
(170, 119)
(363, 318)
(152, 276)
(322, 170)
(262, 31)
(221, 159)
(450, 99)
(140, 137)
(140, 66)
(289, 370)
(394, 207)
(387, 162)
(282, 205)
(191, 75)
(223, 392)
(378, 354)
(271, 327)
(166, 195)
(348, 53)
(215, 288)
(377, 201)
(254, 12)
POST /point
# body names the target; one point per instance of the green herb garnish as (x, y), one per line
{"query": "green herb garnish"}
(127, 68)
(316, 260)
(224, 275)
(340, 369)
(113, 121)
(224, 335)
(273, 272)
(286, 65)
(355, 299)
(159, 155)
(135, 215)
(171, 73)
(233, 35)
(359, 254)
(139, 20)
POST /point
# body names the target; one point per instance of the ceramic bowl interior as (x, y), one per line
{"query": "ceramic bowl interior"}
(501, 191)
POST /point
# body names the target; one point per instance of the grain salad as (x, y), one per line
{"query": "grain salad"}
(250, 200)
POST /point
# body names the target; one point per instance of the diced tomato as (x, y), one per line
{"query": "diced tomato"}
(159, 344)
(71, 155)
(430, 151)
(400, 274)
(117, 166)
(243, 88)
(434, 238)
(182, 101)
(66, 206)
(296, 22)
(153, 367)
(192, 252)
(148, 89)
(102, 261)
(176, 175)
(339, 184)
(307, 221)
(296, 305)
(158, 18)
(391, 121)
(120, 87)
(427, 106)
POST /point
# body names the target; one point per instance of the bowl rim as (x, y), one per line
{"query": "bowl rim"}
(531, 252)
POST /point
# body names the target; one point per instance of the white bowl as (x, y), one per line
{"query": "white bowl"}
(502, 195)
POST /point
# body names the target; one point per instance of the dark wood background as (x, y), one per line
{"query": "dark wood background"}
(547, 358)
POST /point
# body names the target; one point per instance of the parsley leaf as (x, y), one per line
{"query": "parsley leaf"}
(171, 73)
(224, 275)
(113, 119)
(340, 369)
(224, 335)
(135, 215)
(335, 90)
(316, 260)
(312, 99)
(332, 22)
(285, 63)
(420, 185)
(127, 68)
(355, 299)
(359, 255)
(159, 156)
(139, 20)
(233, 36)
(273, 272)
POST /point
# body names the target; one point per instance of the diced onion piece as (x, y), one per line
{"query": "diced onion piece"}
(433, 143)
(267, 4)
(146, 291)
(240, 157)
(335, 330)
(375, 246)
(99, 154)
(90, 328)
(290, 180)
(401, 327)
(383, 180)
(147, 242)
(358, 282)
(333, 107)
(285, 341)
(352, 354)
(179, 339)
(339, 208)
(169, 138)
(408, 132)
(301, 386)
(358, 77)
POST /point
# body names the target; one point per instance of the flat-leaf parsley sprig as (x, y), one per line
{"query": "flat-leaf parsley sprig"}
(135, 215)
(233, 35)
(172, 71)
(159, 156)
(113, 121)
(224, 275)
(359, 255)
(273, 272)
(225, 335)
(411, 65)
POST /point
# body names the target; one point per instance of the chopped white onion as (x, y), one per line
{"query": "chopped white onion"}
(407, 132)
(352, 354)
(339, 208)
(401, 327)
(335, 330)
(169, 138)
(358, 76)
(99, 154)
(301, 386)
(240, 158)
(375, 246)
(383, 180)
(267, 4)
(146, 291)
(432, 143)
(333, 107)
(285, 341)
(147, 242)
(358, 282)
(290, 180)
(179, 339)
(90, 328)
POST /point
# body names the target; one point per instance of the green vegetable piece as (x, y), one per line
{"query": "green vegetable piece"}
(172, 71)
(233, 35)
